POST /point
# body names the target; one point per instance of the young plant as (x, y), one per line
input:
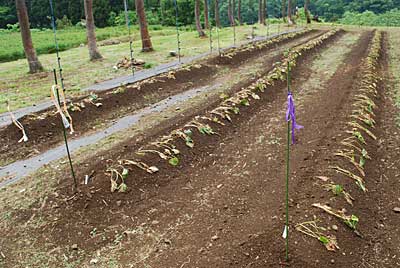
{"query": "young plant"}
(359, 181)
(141, 165)
(118, 179)
(358, 126)
(338, 190)
(349, 155)
(311, 229)
(350, 221)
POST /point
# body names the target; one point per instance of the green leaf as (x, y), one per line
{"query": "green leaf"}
(323, 239)
(122, 188)
(337, 189)
(364, 153)
(174, 161)
(125, 173)
(206, 130)
(352, 222)
(245, 102)
(189, 142)
(235, 110)
(362, 161)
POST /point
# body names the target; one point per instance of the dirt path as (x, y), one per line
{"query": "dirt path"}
(42, 147)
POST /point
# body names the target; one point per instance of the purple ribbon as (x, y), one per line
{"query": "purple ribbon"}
(291, 115)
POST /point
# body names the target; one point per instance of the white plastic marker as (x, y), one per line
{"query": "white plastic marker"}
(17, 124)
(63, 112)
(285, 232)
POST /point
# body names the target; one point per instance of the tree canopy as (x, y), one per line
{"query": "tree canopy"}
(109, 12)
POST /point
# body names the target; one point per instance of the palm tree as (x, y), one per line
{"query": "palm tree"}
(239, 11)
(306, 11)
(197, 18)
(144, 32)
(34, 64)
(289, 12)
(230, 13)
(206, 24)
(284, 10)
(94, 53)
(217, 20)
(264, 7)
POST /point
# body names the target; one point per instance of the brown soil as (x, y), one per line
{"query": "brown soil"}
(43, 128)
(223, 205)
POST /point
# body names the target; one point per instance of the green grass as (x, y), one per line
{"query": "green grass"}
(11, 46)
(23, 89)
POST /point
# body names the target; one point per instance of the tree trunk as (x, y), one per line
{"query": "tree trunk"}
(289, 12)
(306, 11)
(30, 53)
(230, 13)
(206, 23)
(94, 53)
(263, 11)
(284, 10)
(217, 20)
(197, 18)
(260, 11)
(144, 32)
(239, 11)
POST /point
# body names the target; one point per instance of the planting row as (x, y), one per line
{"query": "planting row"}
(166, 149)
(352, 155)
(96, 109)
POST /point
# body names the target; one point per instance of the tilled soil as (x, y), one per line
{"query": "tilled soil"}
(43, 129)
(224, 205)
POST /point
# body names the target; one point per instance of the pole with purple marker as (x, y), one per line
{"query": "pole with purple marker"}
(291, 127)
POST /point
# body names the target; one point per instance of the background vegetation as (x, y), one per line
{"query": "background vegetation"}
(108, 12)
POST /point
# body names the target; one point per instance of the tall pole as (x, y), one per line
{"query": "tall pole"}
(53, 25)
(287, 173)
(128, 25)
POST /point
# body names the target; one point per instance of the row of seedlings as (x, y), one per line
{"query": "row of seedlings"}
(165, 147)
(230, 53)
(94, 99)
(352, 150)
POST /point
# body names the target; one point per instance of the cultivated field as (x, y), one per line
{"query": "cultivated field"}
(197, 178)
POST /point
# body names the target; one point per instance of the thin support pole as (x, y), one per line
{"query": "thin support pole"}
(218, 42)
(287, 173)
(178, 39)
(128, 25)
(65, 135)
(53, 25)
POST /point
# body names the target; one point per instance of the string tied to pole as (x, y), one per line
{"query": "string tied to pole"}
(291, 116)
(63, 111)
